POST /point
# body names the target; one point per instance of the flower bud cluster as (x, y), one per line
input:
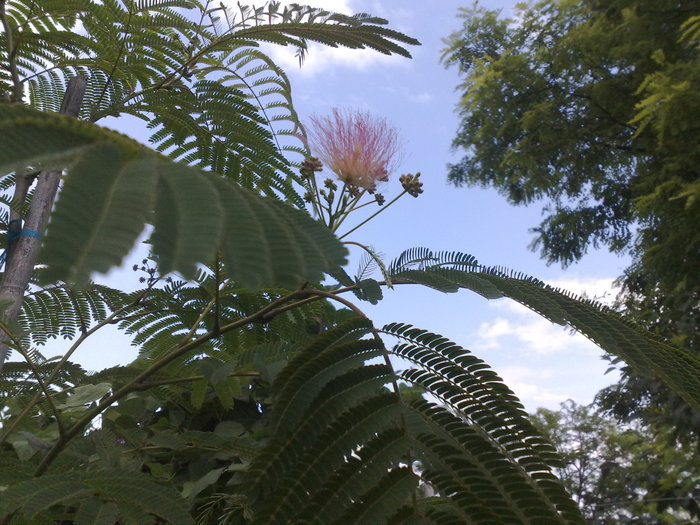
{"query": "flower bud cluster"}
(361, 151)
(411, 184)
(309, 166)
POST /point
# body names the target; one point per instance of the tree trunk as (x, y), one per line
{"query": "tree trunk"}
(22, 255)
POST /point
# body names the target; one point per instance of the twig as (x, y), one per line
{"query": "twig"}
(380, 210)
(83, 336)
(164, 382)
(42, 383)
(180, 350)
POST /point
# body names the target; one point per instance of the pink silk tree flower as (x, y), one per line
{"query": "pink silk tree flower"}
(360, 149)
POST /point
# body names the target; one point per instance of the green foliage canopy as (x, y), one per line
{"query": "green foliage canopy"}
(621, 473)
(592, 106)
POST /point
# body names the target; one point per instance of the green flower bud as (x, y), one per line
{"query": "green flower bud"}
(411, 184)
(309, 166)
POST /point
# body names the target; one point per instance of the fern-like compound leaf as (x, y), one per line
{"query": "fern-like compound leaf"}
(108, 197)
(675, 366)
(344, 449)
(116, 199)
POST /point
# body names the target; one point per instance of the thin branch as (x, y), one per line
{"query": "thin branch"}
(139, 314)
(347, 209)
(56, 369)
(131, 386)
(37, 375)
(604, 110)
(277, 311)
(340, 204)
(164, 382)
(380, 210)
(193, 330)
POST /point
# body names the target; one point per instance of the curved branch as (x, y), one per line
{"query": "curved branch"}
(375, 332)
(37, 375)
(81, 339)
(135, 383)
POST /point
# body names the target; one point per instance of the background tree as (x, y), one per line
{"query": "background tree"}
(621, 474)
(594, 107)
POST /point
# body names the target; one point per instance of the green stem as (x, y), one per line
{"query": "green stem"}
(317, 199)
(340, 205)
(349, 208)
(368, 203)
(380, 210)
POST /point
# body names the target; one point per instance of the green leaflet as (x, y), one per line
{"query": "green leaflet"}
(292, 241)
(188, 220)
(368, 290)
(32, 138)
(381, 502)
(107, 205)
(109, 195)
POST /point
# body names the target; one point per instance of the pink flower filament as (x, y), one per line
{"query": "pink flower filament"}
(360, 149)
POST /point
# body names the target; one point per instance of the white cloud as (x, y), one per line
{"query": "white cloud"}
(490, 333)
(529, 333)
(602, 290)
(322, 59)
(526, 383)
(519, 327)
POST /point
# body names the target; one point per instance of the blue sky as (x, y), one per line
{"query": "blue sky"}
(542, 362)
